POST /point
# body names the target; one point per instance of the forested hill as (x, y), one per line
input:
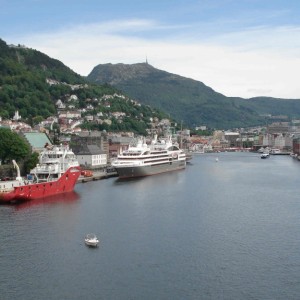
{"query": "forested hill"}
(23, 74)
(190, 100)
(31, 82)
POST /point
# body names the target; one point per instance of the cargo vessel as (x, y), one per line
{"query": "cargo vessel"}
(57, 172)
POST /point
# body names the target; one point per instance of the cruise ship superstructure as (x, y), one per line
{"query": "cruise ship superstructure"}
(142, 159)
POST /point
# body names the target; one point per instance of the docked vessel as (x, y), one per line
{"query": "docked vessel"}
(265, 155)
(143, 160)
(275, 151)
(56, 173)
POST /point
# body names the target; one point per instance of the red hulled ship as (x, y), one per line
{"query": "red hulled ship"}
(56, 173)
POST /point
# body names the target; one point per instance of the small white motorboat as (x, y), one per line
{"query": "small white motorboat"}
(265, 155)
(91, 240)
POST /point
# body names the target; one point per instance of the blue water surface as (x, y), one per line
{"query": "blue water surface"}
(226, 229)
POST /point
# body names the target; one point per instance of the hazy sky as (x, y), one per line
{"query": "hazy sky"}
(242, 48)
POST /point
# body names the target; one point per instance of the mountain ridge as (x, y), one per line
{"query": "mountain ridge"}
(23, 87)
(188, 99)
(32, 83)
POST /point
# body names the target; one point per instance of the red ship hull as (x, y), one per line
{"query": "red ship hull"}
(64, 184)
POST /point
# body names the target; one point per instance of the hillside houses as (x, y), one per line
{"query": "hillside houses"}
(75, 114)
(15, 125)
(106, 110)
(72, 86)
(69, 112)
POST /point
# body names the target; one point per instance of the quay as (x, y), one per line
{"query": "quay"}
(97, 175)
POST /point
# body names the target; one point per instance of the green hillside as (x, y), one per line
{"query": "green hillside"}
(31, 82)
(190, 100)
(24, 86)
(274, 106)
(23, 74)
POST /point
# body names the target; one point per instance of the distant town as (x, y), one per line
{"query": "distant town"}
(95, 149)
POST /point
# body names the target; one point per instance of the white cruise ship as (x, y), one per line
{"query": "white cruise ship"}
(143, 160)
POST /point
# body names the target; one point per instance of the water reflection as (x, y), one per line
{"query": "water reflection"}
(66, 198)
(119, 181)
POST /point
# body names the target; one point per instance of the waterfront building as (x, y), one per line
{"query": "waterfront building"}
(118, 144)
(283, 142)
(268, 140)
(91, 156)
(296, 146)
(79, 142)
(231, 138)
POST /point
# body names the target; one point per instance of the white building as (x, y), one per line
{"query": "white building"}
(72, 98)
(59, 104)
(92, 156)
(17, 116)
(268, 140)
(70, 114)
(283, 141)
(89, 118)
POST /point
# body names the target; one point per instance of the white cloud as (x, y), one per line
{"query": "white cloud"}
(260, 61)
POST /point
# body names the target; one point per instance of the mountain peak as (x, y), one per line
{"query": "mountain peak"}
(116, 73)
(187, 99)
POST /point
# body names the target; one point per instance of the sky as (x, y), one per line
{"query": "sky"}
(240, 48)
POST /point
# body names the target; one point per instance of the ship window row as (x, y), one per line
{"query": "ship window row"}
(148, 157)
(68, 156)
(145, 153)
(54, 155)
(157, 160)
(131, 153)
(159, 152)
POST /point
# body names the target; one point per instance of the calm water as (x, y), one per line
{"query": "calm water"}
(217, 230)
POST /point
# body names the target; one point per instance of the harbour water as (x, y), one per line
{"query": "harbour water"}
(226, 229)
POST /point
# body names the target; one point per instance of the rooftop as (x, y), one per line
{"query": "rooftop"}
(37, 140)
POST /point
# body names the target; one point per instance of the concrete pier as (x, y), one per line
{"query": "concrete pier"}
(97, 176)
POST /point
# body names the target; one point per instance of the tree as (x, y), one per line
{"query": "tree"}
(12, 146)
(36, 120)
(31, 162)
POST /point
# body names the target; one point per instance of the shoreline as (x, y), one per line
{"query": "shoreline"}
(96, 176)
